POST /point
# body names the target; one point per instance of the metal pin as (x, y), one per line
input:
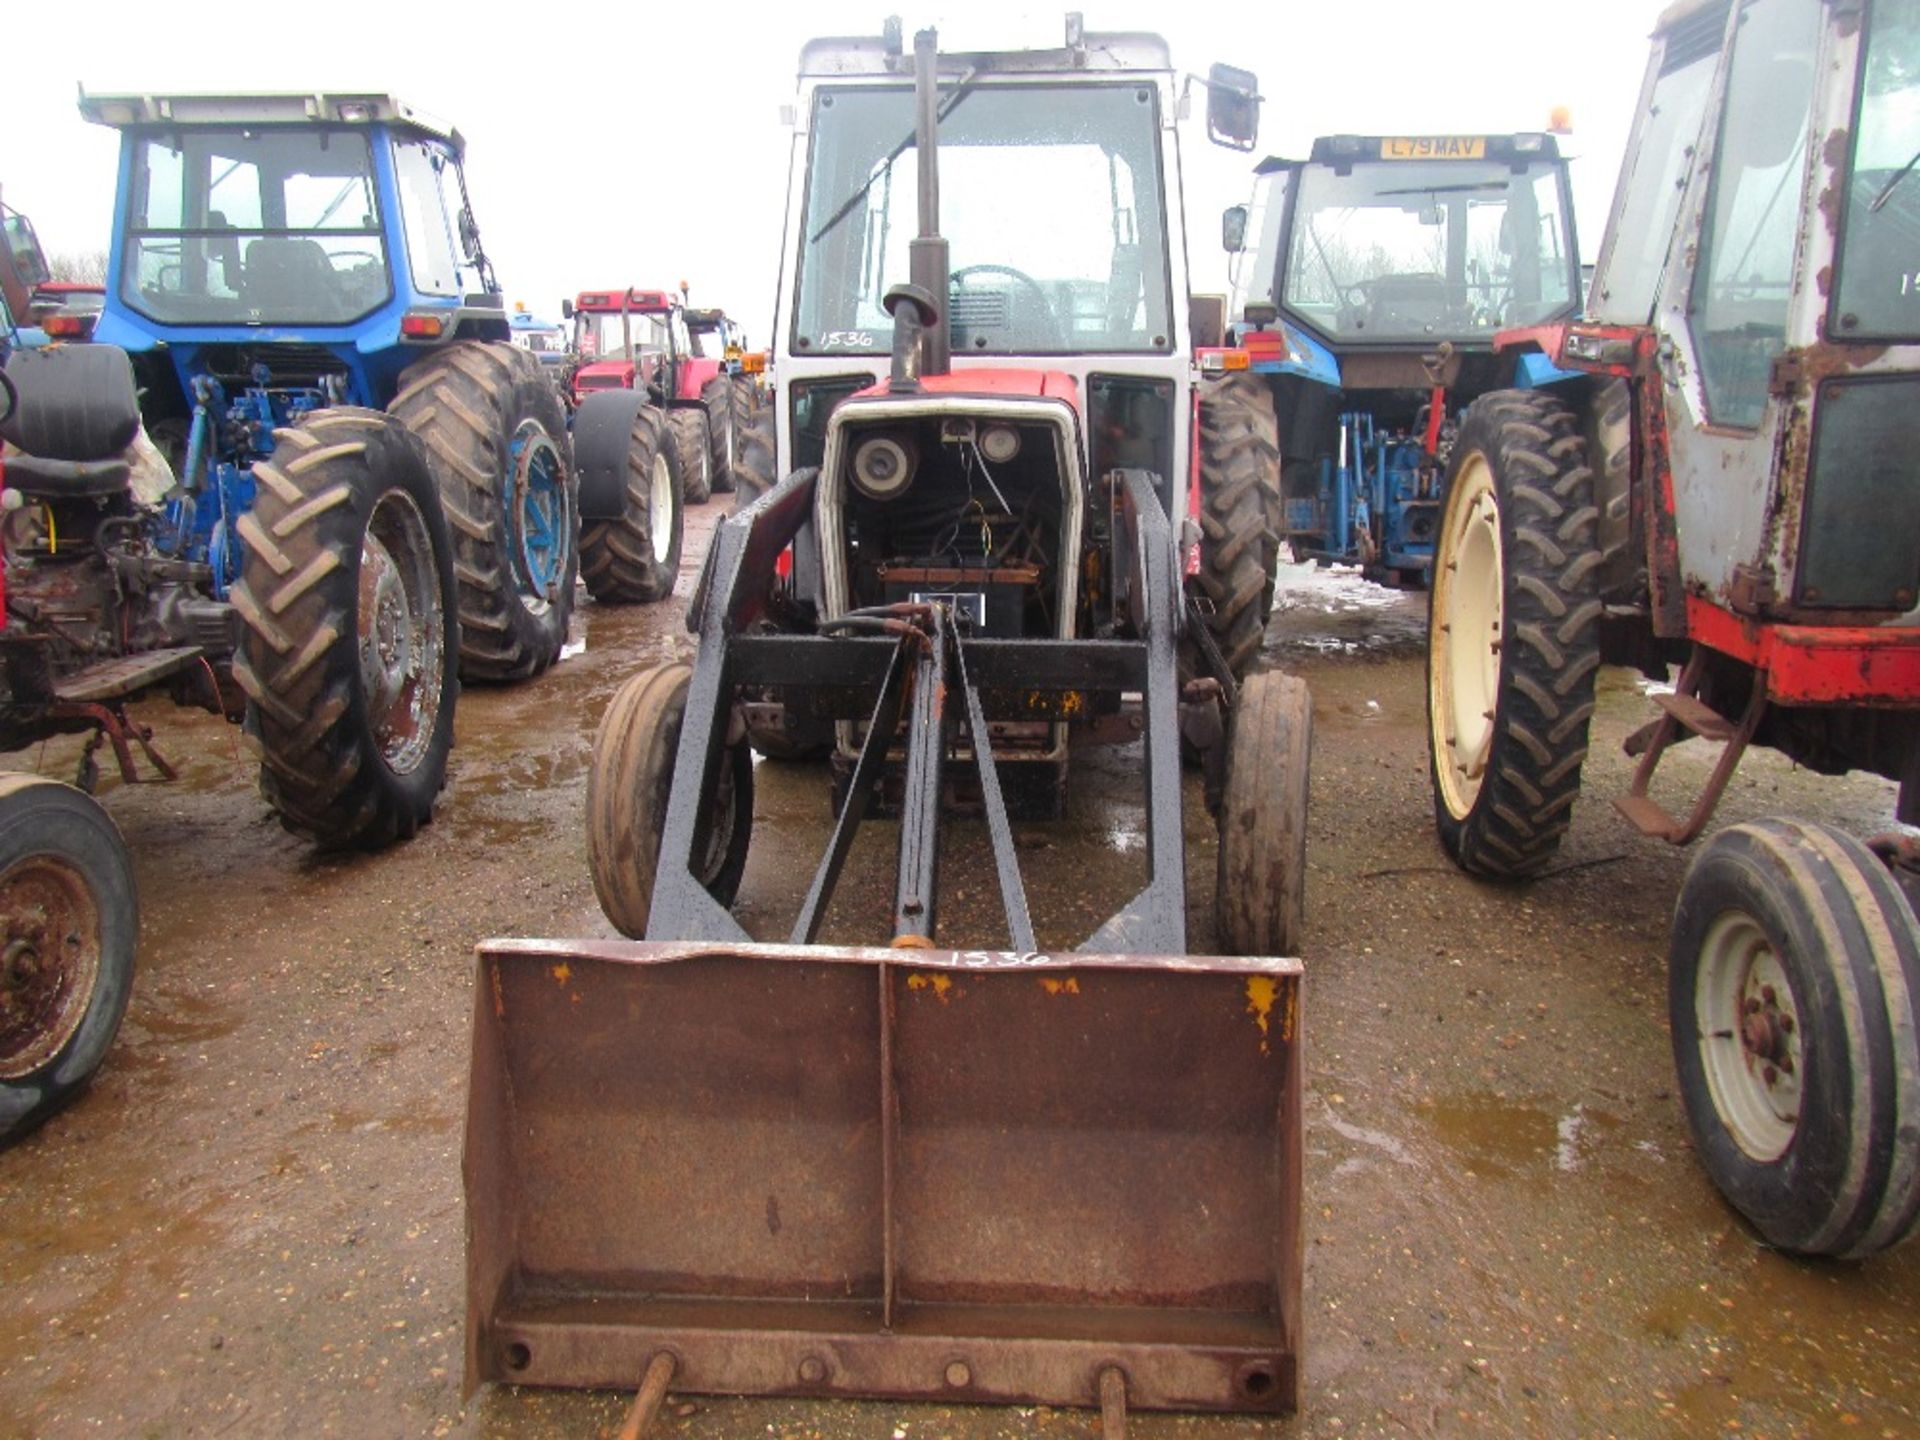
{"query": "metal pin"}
(1113, 1404)
(653, 1394)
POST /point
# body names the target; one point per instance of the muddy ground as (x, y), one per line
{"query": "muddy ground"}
(251, 1225)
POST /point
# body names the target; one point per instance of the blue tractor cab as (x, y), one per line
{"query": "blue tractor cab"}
(1369, 283)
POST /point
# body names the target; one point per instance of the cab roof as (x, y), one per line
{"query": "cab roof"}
(181, 111)
(890, 53)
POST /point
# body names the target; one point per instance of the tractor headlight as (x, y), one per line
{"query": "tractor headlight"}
(999, 443)
(883, 466)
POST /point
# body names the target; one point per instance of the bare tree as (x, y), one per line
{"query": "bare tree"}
(80, 267)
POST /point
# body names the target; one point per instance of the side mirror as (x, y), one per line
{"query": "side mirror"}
(566, 309)
(1233, 229)
(1233, 107)
(469, 235)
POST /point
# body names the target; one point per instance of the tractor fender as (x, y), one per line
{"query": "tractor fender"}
(602, 431)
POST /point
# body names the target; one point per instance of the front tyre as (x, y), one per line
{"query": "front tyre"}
(1260, 895)
(687, 433)
(498, 438)
(69, 923)
(1794, 997)
(634, 558)
(1513, 634)
(629, 785)
(346, 656)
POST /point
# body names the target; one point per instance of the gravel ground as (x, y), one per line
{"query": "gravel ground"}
(251, 1225)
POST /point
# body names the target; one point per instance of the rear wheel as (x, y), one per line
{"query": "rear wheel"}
(1794, 997)
(687, 433)
(716, 396)
(635, 559)
(628, 788)
(755, 475)
(498, 439)
(1513, 634)
(346, 655)
(69, 923)
(1261, 889)
(1240, 513)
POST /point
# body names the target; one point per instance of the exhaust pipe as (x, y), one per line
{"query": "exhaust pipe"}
(927, 264)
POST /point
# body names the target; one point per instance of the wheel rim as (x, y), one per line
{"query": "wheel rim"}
(538, 509)
(401, 632)
(49, 961)
(662, 510)
(1468, 618)
(720, 823)
(1749, 1036)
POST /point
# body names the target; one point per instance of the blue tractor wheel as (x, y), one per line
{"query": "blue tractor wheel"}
(347, 651)
(498, 441)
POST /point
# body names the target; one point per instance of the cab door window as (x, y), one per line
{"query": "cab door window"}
(1744, 276)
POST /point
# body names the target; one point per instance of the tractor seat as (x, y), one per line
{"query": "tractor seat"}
(76, 404)
(290, 276)
(64, 479)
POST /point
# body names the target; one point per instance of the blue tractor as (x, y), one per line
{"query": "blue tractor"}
(371, 489)
(1370, 281)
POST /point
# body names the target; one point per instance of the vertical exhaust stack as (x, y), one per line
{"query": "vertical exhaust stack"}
(927, 265)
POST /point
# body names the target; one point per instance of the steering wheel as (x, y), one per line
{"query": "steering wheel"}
(339, 255)
(1026, 282)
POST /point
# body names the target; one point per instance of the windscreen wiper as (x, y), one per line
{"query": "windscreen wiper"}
(1886, 190)
(947, 107)
(1447, 189)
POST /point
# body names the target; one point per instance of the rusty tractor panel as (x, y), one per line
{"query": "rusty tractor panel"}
(938, 1175)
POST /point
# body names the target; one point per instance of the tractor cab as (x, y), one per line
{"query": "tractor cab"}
(1370, 280)
(326, 238)
(624, 339)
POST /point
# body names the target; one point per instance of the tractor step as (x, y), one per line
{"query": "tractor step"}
(1696, 715)
(125, 676)
(1647, 816)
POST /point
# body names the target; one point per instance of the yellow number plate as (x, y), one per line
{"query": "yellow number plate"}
(1434, 147)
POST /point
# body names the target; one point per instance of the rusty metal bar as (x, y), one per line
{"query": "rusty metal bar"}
(889, 1146)
(853, 808)
(916, 893)
(653, 1394)
(1006, 863)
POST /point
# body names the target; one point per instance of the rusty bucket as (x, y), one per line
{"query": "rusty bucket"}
(926, 1175)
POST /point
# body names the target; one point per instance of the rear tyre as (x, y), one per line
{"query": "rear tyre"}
(1513, 634)
(635, 559)
(347, 649)
(629, 785)
(687, 434)
(1794, 1002)
(716, 397)
(1241, 514)
(1260, 895)
(498, 439)
(69, 923)
(755, 475)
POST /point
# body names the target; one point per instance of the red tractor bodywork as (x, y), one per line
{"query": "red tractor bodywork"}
(672, 370)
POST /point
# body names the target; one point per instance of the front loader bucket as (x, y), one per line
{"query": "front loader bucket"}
(926, 1174)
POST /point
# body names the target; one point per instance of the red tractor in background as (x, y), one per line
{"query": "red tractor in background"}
(648, 341)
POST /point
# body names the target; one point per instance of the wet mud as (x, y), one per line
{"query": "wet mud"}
(252, 1223)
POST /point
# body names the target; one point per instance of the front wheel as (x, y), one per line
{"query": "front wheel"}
(629, 785)
(346, 655)
(687, 431)
(634, 558)
(69, 923)
(1260, 896)
(498, 439)
(1794, 999)
(1513, 634)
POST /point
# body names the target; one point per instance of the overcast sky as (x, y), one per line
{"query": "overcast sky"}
(641, 144)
